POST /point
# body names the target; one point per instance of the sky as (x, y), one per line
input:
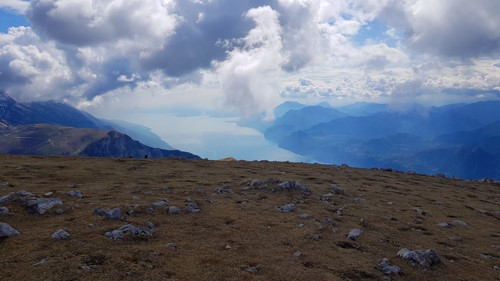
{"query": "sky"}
(191, 69)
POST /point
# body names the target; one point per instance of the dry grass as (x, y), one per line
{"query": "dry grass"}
(246, 221)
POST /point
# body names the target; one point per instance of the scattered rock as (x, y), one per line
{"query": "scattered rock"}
(113, 214)
(4, 211)
(75, 193)
(141, 232)
(387, 268)
(173, 210)
(42, 205)
(287, 208)
(419, 211)
(40, 263)
(60, 235)
(486, 256)
(458, 222)
(354, 234)
(162, 203)
(220, 190)
(7, 230)
(443, 224)
(252, 269)
(171, 245)
(336, 189)
(305, 216)
(4, 184)
(192, 207)
(423, 258)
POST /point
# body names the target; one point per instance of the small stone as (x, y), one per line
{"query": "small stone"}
(47, 194)
(387, 268)
(7, 231)
(252, 270)
(42, 262)
(287, 208)
(161, 203)
(75, 193)
(315, 237)
(220, 190)
(336, 189)
(4, 211)
(458, 222)
(192, 207)
(419, 211)
(60, 235)
(443, 224)
(135, 197)
(304, 216)
(228, 247)
(4, 184)
(354, 234)
(173, 210)
(386, 278)
(150, 210)
(456, 239)
(297, 254)
(59, 211)
(171, 245)
(486, 256)
(300, 225)
(113, 214)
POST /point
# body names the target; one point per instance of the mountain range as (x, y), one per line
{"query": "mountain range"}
(56, 128)
(458, 140)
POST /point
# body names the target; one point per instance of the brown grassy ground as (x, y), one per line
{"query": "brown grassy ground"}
(245, 221)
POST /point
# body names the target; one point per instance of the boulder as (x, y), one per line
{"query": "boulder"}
(42, 205)
(289, 185)
(60, 235)
(130, 229)
(7, 230)
(423, 258)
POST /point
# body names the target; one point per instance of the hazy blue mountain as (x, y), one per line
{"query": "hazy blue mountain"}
(299, 119)
(449, 139)
(138, 132)
(363, 108)
(283, 108)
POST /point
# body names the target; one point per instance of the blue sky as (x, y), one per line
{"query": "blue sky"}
(191, 69)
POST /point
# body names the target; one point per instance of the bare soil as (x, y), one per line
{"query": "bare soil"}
(233, 232)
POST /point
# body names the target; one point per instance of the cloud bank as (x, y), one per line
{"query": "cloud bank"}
(247, 56)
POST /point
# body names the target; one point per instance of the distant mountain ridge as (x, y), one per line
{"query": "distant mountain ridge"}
(460, 140)
(32, 128)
